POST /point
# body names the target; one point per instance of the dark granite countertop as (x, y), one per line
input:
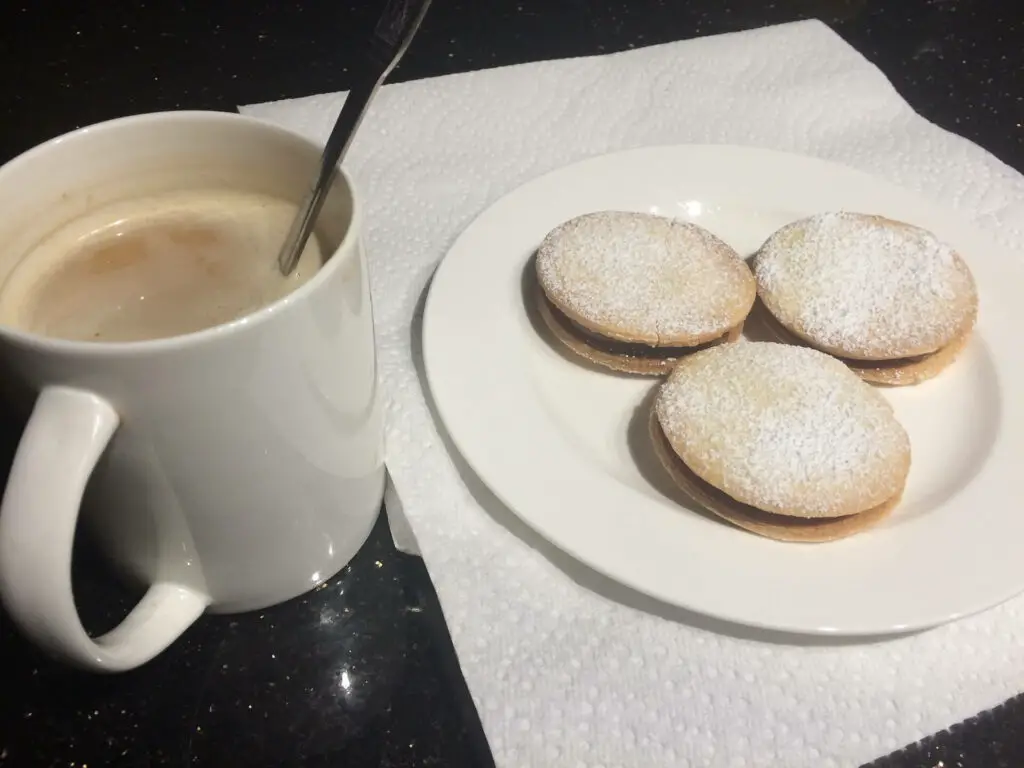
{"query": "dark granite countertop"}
(362, 672)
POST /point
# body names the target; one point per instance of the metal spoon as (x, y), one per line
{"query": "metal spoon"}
(390, 39)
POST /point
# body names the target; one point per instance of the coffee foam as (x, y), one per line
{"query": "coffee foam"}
(155, 267)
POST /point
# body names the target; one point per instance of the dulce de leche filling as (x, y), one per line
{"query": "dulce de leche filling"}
(628, 348)
(899, 362)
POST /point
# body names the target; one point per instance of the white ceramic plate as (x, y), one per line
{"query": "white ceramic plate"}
(564, 445)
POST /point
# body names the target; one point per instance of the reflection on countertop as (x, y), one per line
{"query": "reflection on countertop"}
(345, 675)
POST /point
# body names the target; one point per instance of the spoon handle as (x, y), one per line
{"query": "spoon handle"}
(391, 38)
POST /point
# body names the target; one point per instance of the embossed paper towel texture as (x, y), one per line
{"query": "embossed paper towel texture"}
(562, 676)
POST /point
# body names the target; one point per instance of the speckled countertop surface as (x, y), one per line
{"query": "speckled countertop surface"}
(362, 672)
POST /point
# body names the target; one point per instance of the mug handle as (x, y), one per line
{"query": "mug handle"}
(65, 437)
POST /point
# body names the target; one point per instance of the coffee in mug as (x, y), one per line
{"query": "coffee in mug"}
(164, 265)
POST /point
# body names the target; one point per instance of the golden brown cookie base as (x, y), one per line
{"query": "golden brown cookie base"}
(571, 336)
(767, 524)
(894, 373)
(964, 305)
(693, 271)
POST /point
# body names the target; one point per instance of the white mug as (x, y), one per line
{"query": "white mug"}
(228, 469)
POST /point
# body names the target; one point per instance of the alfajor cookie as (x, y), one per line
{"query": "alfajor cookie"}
(889, 299)
(636, 292)
(781, 440)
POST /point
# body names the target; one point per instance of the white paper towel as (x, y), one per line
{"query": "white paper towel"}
(566, 668)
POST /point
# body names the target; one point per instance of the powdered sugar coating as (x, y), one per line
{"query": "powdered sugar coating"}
(865, 287)
(785, 429)
(645, 278)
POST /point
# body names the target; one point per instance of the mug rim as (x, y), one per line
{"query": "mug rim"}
(204, 335)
